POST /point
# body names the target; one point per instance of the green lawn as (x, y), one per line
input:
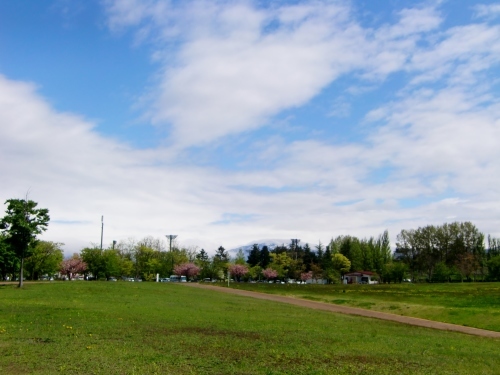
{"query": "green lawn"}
(161, 328)
(469, 304)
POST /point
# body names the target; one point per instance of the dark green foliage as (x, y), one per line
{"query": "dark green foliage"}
(459, 245)
(442, 273)
(21, 224)
(9, 262)
(309, 258)
(393, 272)
(494, 268)
(45, 259)
(202, 256)
(493, 247)
(221, 255)
(94, 260)
(254, 256)
(265, 257)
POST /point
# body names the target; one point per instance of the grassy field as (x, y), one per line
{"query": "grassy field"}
(469, 304)
(162, 328)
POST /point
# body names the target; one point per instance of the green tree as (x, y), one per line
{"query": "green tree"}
(408, 251)
(459, 245)
(494, 267)
(220, 262)
(350, 247)
(9, 263)
(22, 223)
(493, 247)
(340, 263)
(144, 266)
(203, 261)
(366, 254)
(202, 256)
(45, 258)
(393, 272)
(222, 255)
(94, 260)
(254, 256)
(282, 262)
(240, 257)
(381, 252)
(255, 272)
(308, 257)
(320, 251)
(265, 257)
(126, 267)
(441, 273)
(111, 263)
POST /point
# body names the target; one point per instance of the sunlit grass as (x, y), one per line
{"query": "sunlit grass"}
(471, 304)
(150, 328)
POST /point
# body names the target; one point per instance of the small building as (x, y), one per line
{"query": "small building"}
(361, 277)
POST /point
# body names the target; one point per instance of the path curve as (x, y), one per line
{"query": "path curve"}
(352, 311)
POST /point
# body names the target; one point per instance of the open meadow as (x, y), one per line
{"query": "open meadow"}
(469, 304)
(162, 328)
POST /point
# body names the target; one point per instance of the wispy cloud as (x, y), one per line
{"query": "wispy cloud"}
(490, 11)
(236, 65)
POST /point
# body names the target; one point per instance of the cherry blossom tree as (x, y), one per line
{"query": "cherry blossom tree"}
(238, 270)
(72, 266)
(187, 269)
(304, 276)
(269, 273)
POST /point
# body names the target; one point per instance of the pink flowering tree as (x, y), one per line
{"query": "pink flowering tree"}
(72, 266)
(269, 273)
(238, 270)
(189, 270)
(304, 276)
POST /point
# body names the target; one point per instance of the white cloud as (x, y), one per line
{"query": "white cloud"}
(233, 71)
(459, 55)
(490, 11)
(229, 82)
(79, 175)
(235, 65)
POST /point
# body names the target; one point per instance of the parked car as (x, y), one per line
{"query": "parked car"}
(111, 278)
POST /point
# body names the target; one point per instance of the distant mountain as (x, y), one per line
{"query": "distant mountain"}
(271, 244)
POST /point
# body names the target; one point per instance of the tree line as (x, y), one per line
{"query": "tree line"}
(454, 251)
(448, 252)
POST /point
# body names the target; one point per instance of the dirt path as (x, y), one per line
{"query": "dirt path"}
(352, 311)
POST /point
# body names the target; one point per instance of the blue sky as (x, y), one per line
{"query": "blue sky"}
(228, 122)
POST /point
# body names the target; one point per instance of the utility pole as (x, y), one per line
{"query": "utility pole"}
(102, 229)
(295, 244)
(171, 237)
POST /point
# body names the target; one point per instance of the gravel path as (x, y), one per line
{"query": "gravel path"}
(352, 311)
